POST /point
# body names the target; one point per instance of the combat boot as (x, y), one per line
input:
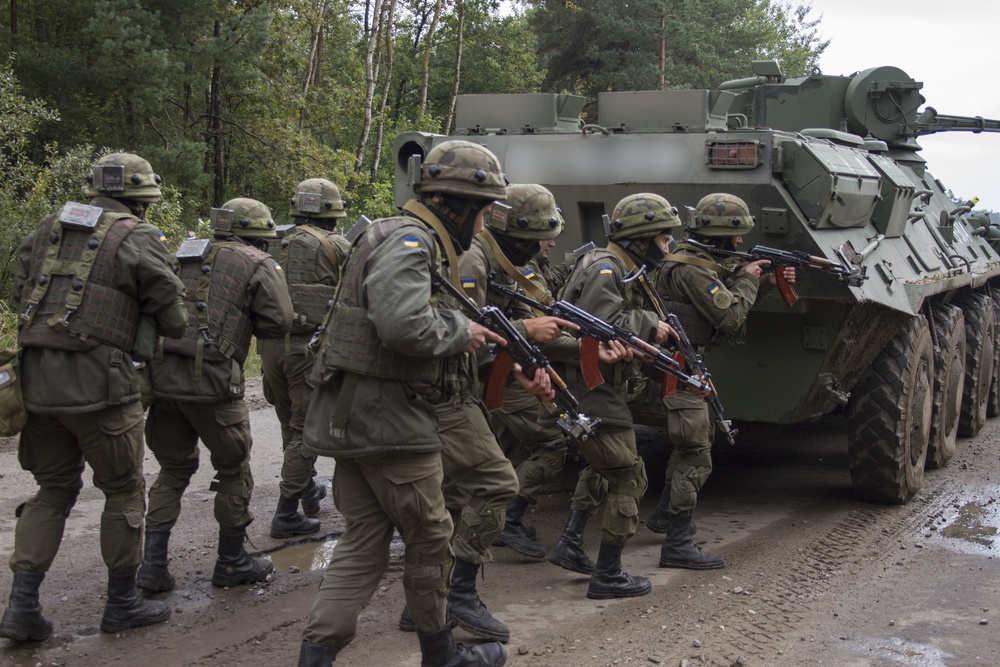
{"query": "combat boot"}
(22, 619)
(310, 499)
(568, 552)
(287, 521)
(439, 649)
(153, 575)
(514, 535)
(125, 609)
(234, 566)
(610, 580)
(317, 655)
(406, 623)
(679, 551)
(465, 607)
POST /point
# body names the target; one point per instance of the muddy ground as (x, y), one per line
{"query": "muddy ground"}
(813, 577)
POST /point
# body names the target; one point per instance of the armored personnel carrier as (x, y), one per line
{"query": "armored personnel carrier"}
(829, 165)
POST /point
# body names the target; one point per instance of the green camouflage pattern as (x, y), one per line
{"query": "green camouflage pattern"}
(462, 168)
(533, 214)
(721, 214)
(141, 183)
(643, 215)
(251, 219)
(330, 203)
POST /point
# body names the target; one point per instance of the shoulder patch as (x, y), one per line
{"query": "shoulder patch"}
(277, 266)
(722, 299)
(411, 241)
(163, 238)
(469, 283)
(605, 270)
(713, 288)
(529, 274)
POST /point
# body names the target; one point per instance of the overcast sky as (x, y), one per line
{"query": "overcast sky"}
(952, 48)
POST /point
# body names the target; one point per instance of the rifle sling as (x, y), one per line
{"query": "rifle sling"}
(444, 238)
(530, 288)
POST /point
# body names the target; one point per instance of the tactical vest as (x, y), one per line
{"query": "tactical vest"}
(350, 341)
(219, 326)
(310, 295)
(698, 328)
(70, 301)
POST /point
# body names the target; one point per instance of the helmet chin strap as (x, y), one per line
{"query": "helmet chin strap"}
(458, 214)
(643, 251)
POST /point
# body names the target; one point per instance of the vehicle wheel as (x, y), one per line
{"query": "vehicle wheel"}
(980, 335)
(993, 404)
(889, 418)
(949, 378)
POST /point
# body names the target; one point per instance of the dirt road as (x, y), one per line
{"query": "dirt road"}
(813, 577)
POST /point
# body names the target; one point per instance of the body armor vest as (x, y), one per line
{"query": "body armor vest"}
(350, 341)
(70, 301)
(215, 297)
(698, 328)
(310, 295)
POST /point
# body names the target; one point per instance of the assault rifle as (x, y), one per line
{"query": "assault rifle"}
(688, 355)
(519, 349)
(852, 276)
(595, 330)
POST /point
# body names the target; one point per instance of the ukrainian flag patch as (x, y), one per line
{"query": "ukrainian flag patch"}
(713, 288)
(606, 270)
(529, 274)
(410, 241)
(277, 266)
(163, 238)
(469, 283)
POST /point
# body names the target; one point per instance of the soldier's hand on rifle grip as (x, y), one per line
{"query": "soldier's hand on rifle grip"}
(480, 336)
(755, 269)
(613, 352)
(546, 329)
(788, 273)
(663, 330)
(540, 385)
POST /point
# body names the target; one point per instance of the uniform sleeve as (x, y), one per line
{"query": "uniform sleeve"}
(398, 294)
(472, 273)
(327, 269)
(270, 305)
(726, 307)
(159, 288)
(603, 297)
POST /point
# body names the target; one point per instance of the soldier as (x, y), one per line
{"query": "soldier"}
(391, 377)
(85, 278)
(637, 238)
(708, 298)
(234, 290)
(311, 256)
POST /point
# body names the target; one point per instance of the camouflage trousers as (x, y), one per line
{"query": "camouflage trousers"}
(615, 471)
(689, 427)
(54, 448)
(376, 494)
(286, 369)
(172, 432)
(478, 478)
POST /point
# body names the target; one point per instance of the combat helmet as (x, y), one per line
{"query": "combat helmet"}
(123, 176)
(533, 214)
(721, 214)
(464, 169)
(317, 198)
(243, 217)
(642, 216)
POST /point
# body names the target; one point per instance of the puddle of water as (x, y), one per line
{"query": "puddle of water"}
(305, 556)
(971, 524)
(901, 651)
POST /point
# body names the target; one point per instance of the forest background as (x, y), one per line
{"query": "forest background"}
(246, 98)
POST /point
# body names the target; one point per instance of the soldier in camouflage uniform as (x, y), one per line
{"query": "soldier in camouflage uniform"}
(85, 278)
(234, 290)
(311, 256)
(638, 237)
(392, 378)
(708, 298)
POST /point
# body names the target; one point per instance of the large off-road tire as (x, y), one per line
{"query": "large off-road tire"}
(980, 337)
(993, 404)
(889, 418)
(949, 379)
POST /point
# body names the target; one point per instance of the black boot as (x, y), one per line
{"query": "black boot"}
(287, 521)
(316, 655)
(679, 551)
(465, 607)
(610, 580)
(513, 534)
(125, 609)
(310, 499)
(22, 619)
(234, 566)
(153, 575)
(439, 649)
(568, 551)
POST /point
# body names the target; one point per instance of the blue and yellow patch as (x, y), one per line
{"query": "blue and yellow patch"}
(163, 238)
(713, 288)
(469, 283)
(277, 266)
(529, 274)
(605, 270)
(410, 241)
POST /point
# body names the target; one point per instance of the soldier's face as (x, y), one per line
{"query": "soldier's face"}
(546, 247)
(663, 241)
(481, 219)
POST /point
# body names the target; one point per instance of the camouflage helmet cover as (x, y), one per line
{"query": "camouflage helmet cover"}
(123, 176)
(251, 219)
(462, 168)
(721, 214)
(643, 215)
(317, 198)
(533, 214)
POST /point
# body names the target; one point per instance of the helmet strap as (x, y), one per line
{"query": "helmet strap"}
(457, 214)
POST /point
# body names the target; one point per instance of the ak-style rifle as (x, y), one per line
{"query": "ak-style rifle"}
(519, 349)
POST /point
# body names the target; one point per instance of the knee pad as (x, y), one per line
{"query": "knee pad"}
(61, 499)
